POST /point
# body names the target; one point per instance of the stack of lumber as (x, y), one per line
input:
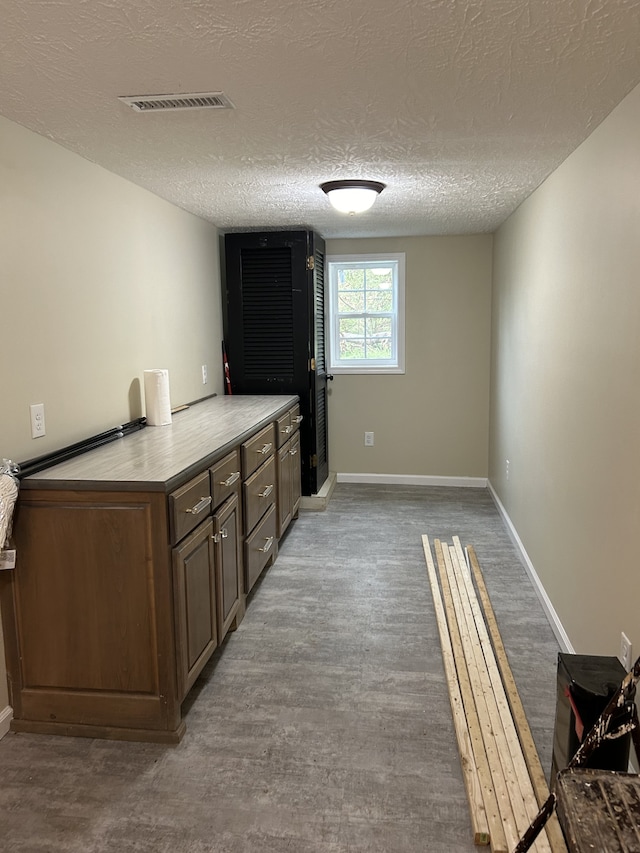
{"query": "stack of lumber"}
(503, 776)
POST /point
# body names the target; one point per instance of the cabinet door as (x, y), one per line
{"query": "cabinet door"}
(226, 525)
(87, 613)
(314, 428)
(284, 487)
(296, 474)
(195, 604)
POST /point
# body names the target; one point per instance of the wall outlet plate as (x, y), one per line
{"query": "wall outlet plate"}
(625, 651)
(368, 439)
(38, 428)
(8, 559)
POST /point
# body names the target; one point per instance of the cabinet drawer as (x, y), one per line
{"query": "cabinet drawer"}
(257, 449)
(225, 478)
(259, 493)
(260, 547)
(283, 429)
(188, 506)
(296, 418)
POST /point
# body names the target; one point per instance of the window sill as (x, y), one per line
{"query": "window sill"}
(345, 371)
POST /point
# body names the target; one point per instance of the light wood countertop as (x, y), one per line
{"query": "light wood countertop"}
(163, 458)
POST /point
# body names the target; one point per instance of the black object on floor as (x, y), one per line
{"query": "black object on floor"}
(585, 684)
(600, 810)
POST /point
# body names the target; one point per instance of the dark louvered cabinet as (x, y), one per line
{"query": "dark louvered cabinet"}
(274, 330)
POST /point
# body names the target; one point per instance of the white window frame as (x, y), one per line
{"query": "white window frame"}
(393, 365)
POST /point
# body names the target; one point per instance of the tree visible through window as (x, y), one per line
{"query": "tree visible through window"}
(366, 302)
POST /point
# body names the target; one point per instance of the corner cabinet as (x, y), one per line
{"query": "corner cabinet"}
(133, 563)
(274, 328)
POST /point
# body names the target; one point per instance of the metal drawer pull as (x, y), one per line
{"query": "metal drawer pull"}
(286, 430)
(293, 452)
(266, 448)
(231, 479)
(203, 503)
(299, 418)
(267, 544)
(218, 536)
(267, 491)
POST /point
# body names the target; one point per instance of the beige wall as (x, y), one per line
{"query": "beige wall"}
(565, 405)
(99, 281)
(433, 420)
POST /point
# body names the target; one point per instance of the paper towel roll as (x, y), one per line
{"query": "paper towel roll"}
(156, 397)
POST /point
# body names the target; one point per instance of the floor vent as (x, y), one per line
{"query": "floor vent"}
(191, 101)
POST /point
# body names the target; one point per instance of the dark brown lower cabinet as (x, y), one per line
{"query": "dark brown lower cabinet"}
(123, 589)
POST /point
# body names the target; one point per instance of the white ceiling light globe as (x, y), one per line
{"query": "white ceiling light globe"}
(352, 199)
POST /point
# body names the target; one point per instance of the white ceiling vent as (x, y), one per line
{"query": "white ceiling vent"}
(190, 101)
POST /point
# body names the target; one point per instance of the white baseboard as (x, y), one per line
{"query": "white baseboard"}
(6, 715)
(554, 620)
(413, 480)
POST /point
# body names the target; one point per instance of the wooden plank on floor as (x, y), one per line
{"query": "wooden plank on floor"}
(497, 805)
(476, 792)
(536, 773)
(505, 783)
(493, 673)
(523, 801)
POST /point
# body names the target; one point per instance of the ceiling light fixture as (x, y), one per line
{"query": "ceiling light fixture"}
(352, 196)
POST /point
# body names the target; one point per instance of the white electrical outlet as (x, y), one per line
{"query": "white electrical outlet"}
(205, 375)
(37, 420)
(368, 439)
(625, 651)
(506, 468)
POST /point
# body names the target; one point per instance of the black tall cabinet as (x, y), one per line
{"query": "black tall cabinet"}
(274, 330)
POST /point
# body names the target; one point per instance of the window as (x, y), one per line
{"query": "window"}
(366, 313)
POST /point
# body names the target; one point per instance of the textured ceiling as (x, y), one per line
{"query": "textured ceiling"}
(461, 108)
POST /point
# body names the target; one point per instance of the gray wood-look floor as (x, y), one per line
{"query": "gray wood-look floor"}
(323, 725)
